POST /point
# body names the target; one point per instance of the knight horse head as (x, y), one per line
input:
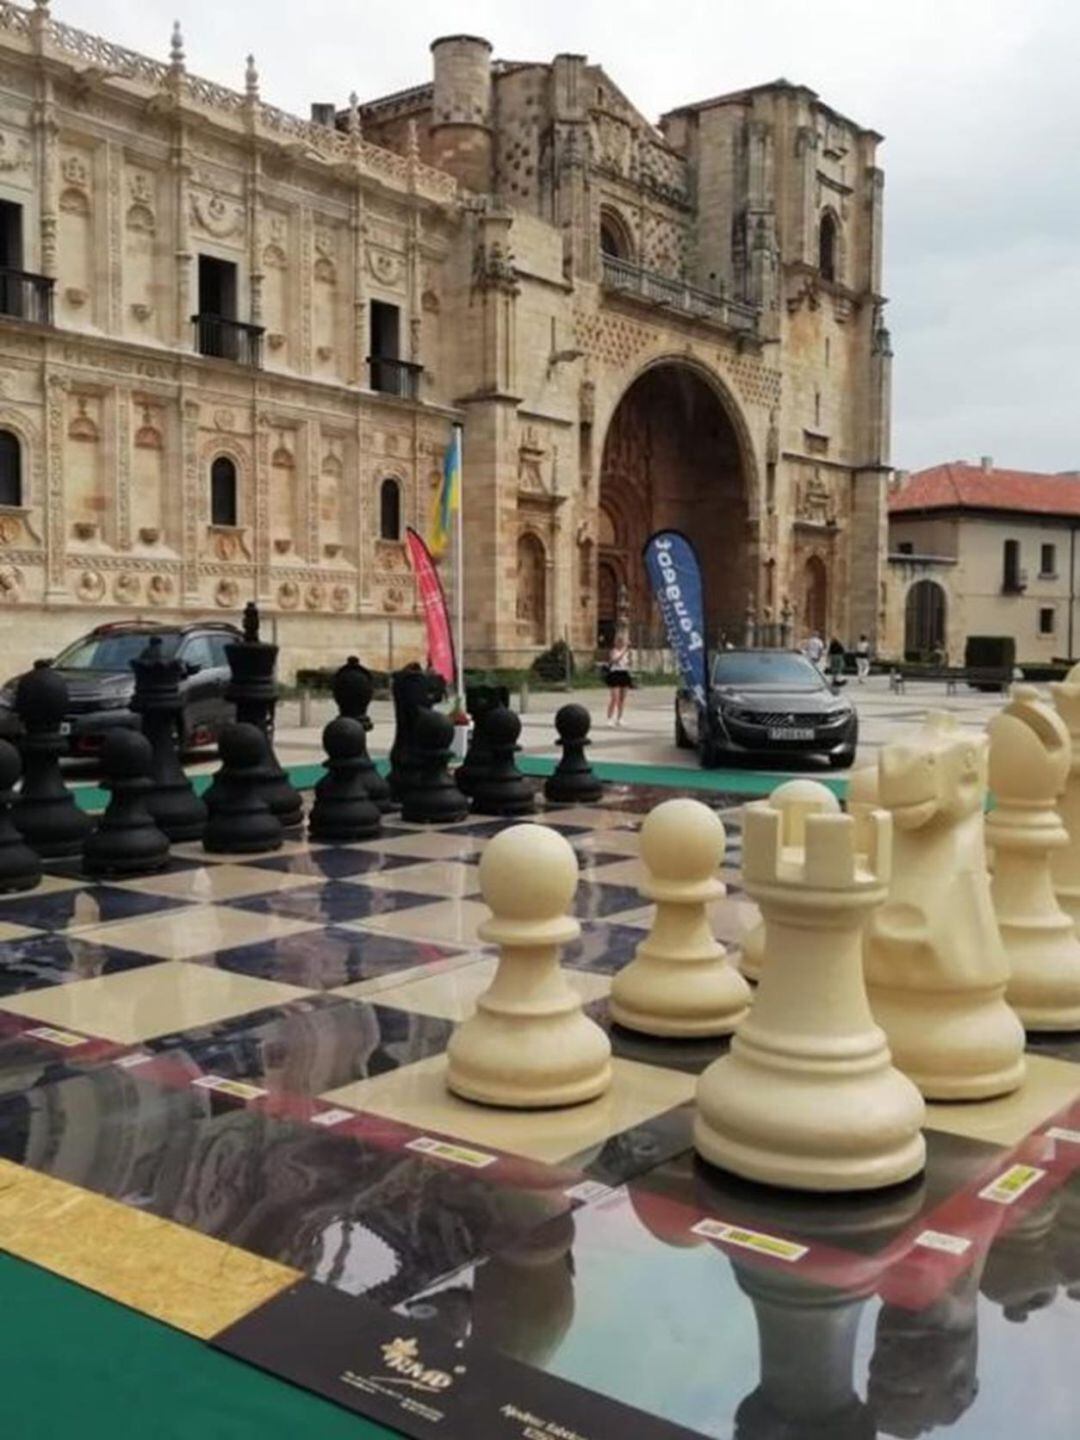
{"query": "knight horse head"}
(939, 773)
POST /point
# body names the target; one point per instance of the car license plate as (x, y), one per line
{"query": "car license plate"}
(786, 733)
(65, 727)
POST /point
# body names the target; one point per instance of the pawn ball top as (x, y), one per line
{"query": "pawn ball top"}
(343, 738)
(41, 695)
(502, 725)
(682, 840)
(528, 872)
(434, 730)
(126, 755)
(572, 722)
(10, 765)
(241, 745)
(804, 792)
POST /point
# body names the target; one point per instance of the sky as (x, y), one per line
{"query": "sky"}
(979, 102)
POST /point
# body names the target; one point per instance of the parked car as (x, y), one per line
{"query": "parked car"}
(100, 682)
(768, 703)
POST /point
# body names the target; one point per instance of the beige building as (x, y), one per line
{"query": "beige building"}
(232, 341)
(975, 550)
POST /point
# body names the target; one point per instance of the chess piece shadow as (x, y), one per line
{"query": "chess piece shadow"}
(20, 867)
(343, 811)
(126, 840)
(240, 820)
(171, 799)
(573, 781)
(353, 687)
(45, 812)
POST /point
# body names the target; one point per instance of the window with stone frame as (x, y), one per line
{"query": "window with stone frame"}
(223, 492)
(10, 469)
(390, 510)
(828, 246)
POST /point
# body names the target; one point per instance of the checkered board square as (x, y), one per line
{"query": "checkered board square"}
(255, 1050)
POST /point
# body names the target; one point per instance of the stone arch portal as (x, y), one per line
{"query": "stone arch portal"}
(924, 620)
(672, 459)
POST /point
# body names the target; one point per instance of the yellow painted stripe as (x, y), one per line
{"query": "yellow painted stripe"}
(190, 1281)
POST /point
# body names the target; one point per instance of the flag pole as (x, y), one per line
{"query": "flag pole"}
(459, 568)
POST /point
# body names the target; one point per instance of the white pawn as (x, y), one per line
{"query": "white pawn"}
(936, 969)
(795, 799)
(530, 1044)
(1065, 863)
(808, 1097)
(1030, 757)
(680, 982)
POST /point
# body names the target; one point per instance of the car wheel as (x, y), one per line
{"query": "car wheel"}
(682, 740)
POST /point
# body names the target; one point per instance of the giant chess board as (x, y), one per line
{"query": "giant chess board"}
(254, 1051)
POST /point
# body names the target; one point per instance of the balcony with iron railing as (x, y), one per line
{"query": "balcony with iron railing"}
(24, 296)
(655, 289)
(395, 377)
(224, 339)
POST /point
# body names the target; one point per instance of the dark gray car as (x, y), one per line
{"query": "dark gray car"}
(767, 703)
(100, 682)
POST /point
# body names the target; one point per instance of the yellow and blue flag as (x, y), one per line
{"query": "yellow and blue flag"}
(448, 496)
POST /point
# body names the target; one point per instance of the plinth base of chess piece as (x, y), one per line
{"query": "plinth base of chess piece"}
(554, 1060)
(963, 1046)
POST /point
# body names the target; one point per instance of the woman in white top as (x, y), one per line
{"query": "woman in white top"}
(619, 678)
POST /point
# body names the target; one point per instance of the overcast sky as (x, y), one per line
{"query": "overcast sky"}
(979, 101)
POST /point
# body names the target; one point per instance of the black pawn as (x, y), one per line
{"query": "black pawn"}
(413, 693)
(240, 820)
(479, 700)
(433, 798)
(573, 779)
(253, 690)
(170, 800)
(126, 840)
(20, 867)
(45, 812)
(502, 789)
(343, 810)
(353, 688)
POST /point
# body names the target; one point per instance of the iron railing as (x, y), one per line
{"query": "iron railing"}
(228, 339)
(395, 377)
(26, 296)
(657, 289)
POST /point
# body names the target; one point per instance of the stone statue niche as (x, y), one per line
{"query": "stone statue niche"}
(936, 968)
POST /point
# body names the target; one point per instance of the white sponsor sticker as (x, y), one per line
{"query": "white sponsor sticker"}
(938, 1240)
(751, 1240)
(238, 1088)
(57, 1037)
(1009, 1186)
(587, 1190)
(332, 1117)
(1058, 1132)
(129, 1062)
(444, 1150)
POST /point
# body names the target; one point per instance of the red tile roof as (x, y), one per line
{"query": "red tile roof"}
(957, 486)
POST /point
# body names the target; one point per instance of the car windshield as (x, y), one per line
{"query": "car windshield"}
(111, 652)
(778, 669)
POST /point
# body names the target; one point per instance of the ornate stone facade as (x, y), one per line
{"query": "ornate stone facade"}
(225, 330)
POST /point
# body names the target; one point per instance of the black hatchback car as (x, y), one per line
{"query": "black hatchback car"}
(100, 682)
(767, 703)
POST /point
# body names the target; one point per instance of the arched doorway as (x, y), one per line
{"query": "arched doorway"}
(672, 459)
(531, 589)
(816, 596)
(924, 620)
